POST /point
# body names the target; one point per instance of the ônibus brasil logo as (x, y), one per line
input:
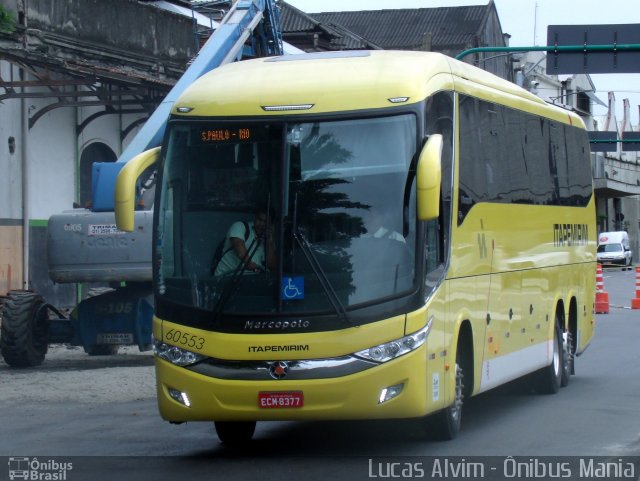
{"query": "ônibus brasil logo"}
(33, 469)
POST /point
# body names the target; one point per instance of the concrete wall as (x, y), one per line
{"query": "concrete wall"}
(51, 154)
(121, 24)
(11, 251)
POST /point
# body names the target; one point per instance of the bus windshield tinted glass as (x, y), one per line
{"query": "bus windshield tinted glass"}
(287, 218)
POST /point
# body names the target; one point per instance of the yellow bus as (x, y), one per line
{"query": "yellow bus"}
(401, 231)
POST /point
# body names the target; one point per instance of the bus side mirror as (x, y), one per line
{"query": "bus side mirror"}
(125, 195)
(428, 176)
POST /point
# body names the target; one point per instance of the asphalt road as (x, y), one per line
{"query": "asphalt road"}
(100, 415)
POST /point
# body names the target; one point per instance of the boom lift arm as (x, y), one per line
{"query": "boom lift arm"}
(256, 18)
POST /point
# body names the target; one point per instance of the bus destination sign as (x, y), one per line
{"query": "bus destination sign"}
(211, 136)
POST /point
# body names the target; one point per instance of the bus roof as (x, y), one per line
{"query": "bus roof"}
(346, 81)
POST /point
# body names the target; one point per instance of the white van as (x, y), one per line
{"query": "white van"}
(614, 249)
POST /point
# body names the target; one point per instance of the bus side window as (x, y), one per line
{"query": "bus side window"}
(432, 250)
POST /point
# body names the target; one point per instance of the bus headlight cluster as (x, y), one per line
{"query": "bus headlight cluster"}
(176, 355)
(393, 349)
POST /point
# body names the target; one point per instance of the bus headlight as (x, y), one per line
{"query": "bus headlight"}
(393, 349)
(176, 355)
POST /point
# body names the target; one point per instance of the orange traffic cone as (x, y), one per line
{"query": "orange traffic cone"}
(602, 297)
(635, 302)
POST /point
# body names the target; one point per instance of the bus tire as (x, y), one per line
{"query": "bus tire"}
(25, 328)
(567, 359)
(549, 379)
(235, 433)
(446, 424)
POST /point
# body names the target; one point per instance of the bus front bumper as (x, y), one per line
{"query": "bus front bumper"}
(184, 395)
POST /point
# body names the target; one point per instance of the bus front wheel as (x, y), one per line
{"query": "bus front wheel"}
(235, 433)
(446, 424)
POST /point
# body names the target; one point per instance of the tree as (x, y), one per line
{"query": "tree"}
(7, 22)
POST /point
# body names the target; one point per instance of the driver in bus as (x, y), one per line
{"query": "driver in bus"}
(245, 242)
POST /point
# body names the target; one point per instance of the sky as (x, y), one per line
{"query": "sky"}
(526, 21)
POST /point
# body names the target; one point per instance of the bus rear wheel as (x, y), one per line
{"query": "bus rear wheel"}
(235, 433)
(549, 379)
(567, 358)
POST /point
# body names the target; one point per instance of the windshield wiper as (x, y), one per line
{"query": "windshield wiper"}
(305, 246)
(320, 274)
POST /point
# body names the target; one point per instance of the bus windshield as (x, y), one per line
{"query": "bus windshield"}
(308, 217)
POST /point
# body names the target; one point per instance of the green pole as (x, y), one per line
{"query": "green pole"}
(630, 47)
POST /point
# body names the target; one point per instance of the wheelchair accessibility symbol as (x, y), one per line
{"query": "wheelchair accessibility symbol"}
(292, 288)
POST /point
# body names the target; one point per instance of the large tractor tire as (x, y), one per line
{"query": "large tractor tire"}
(25, 326)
